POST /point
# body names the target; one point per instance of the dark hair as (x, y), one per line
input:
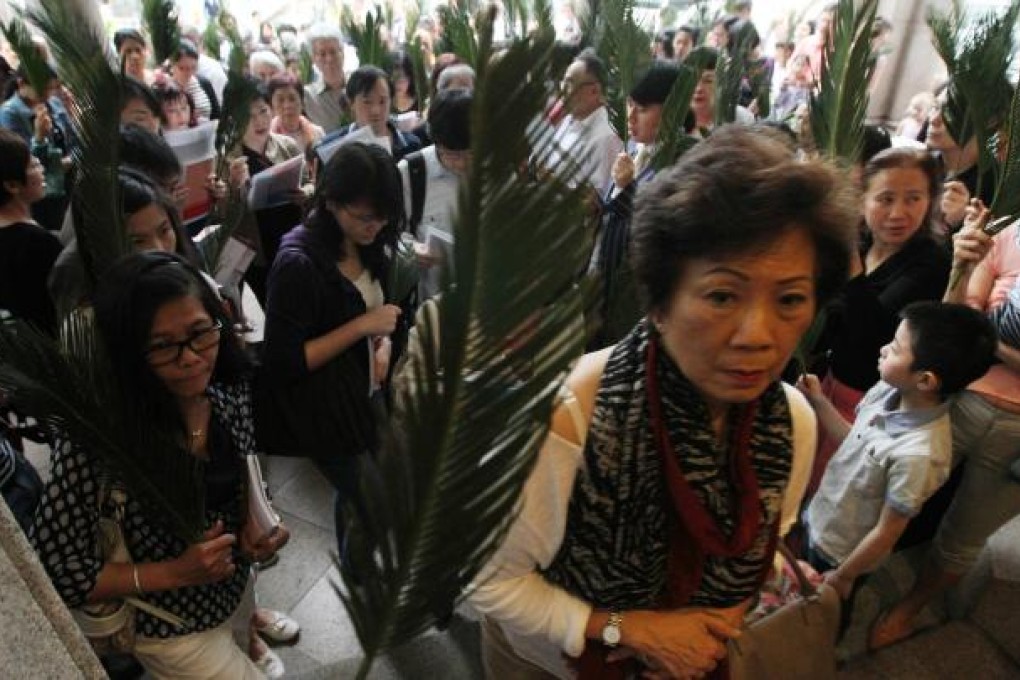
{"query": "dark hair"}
(665, 41)
(907, 158)
(402, 62)
(703, 57)
(167, 91)
(123, 35)
(138, 191)
(282, 81)
(953, 341)
(364, 79)
(876, 139)
(361, 172)
(733, 193)
(149, 153)
(14, 159)
(742, 31)
(21, 75)
(450, 119)
(261, 91)
(654, 86)
(689, 30)
(131, 89)
(185, 48)
(127, 298)
(594, 66)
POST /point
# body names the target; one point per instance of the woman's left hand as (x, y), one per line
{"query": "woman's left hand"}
(261, 548)
(839, 584)
(383, 351)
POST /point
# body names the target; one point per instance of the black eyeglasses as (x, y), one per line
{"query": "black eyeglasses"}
(163, 353)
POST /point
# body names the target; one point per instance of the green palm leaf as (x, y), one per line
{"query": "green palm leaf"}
(1007, 189)
(160, 19)
(459, 33)
(237, 60)
(367, 37)
(86, 69)
(414, 16)
(305, 65)
(672, 141)
(438, 500)
(420, 76)
(36, 69)
(622, 44)
(69, 388)
(840, 103)
(211, 41)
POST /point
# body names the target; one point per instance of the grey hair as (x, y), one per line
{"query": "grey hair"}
(266, 58)
(453, 72)
(323, 31)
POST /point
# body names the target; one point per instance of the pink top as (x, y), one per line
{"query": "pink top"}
(989, 285)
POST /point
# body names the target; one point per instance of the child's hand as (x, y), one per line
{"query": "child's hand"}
(811, 387)
(839, 583)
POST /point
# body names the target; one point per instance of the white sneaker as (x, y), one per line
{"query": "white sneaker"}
(271, 664)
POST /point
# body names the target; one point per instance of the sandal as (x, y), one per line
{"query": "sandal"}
(281, 628)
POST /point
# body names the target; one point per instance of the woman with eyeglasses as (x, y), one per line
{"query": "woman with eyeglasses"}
(327, 345)
(175, 356)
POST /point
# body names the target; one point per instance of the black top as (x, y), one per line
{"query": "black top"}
(867, 312)
(27, 253)
(65, 531)
(303, 412)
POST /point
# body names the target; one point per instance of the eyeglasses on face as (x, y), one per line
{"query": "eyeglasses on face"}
(365, 218)
(200, 340)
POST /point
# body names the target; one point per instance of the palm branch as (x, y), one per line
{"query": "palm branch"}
(420, 77)
(31, 59)
(69, 388)
(413, 19)
(160, 19)
(840, 102)
(305, 64)
(211, 41)
(671, 140)
(431, 517)
(237, 60)
(623, 46)
(367, 38)
(459, 34)
(729, 71)
(543, 18)
(86, 69)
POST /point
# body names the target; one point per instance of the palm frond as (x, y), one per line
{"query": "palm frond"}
(87, 69)
(729, 72)
(543, 18)
(367, 37)
(431, 517)
(160, 19)
(306, 66)
(211, 41)
(623, 45)
(404, 273)
(31, 59)
(419, 74)
(1007, 189)
(69, 388)
(672, 141)
(804, 354)
(413, 19)
(237, 60)
(459, 34)
(840, 103)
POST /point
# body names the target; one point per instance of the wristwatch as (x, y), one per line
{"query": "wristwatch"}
(611, 633)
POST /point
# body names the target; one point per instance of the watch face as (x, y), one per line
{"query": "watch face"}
(611, 635)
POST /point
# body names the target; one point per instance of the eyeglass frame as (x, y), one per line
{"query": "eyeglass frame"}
(187, 342)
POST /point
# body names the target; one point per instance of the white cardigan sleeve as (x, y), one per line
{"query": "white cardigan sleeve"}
(510, 588)
(805, 440)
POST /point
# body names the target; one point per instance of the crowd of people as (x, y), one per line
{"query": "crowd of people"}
(677, 457)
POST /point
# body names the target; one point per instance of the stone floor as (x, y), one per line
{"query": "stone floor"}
(303, 582)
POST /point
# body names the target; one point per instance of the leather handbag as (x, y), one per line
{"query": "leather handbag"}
(797, 641)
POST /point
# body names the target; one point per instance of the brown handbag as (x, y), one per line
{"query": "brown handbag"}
(797, 641)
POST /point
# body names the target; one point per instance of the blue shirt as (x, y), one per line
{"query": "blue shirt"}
(890, 456)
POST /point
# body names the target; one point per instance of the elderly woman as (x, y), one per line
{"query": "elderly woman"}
(652, 514)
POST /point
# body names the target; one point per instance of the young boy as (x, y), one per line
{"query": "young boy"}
(899, 450)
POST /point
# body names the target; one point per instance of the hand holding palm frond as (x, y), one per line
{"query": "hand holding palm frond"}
(436, 502)
(840, 102)
(32, 61)
(160, 19)
(70, 390)
(86, 69)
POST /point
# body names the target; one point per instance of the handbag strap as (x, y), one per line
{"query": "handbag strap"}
(807, 589)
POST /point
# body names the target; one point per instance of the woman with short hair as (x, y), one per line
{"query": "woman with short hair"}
(677, 458)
